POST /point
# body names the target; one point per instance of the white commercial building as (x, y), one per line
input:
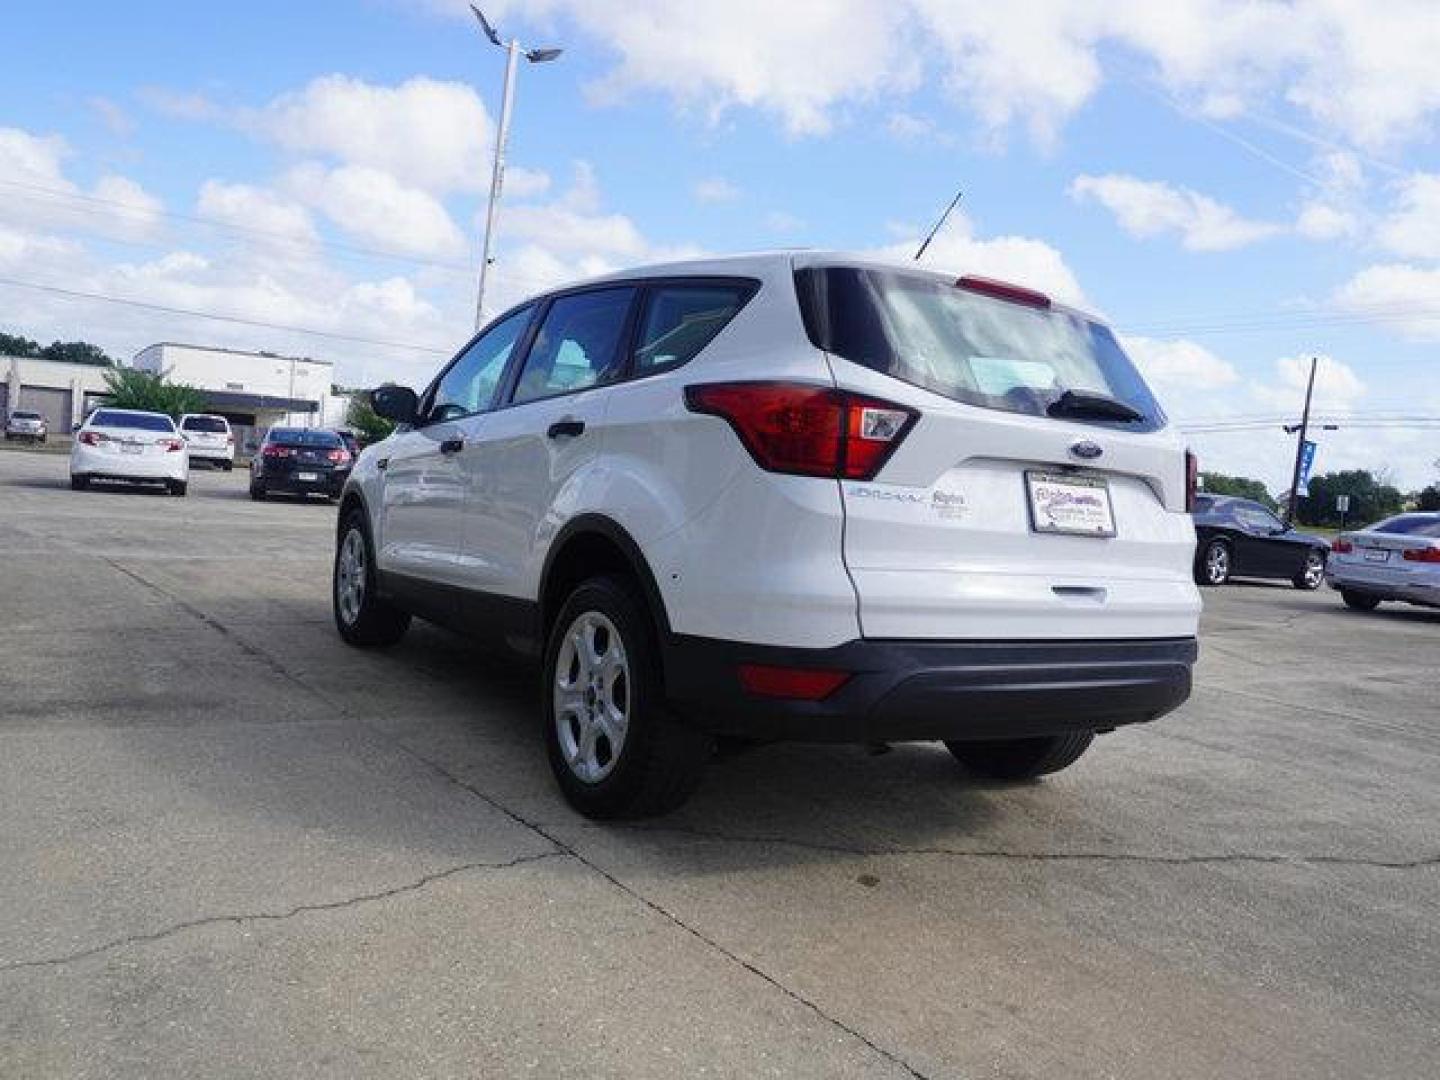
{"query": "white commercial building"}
(253, 390)
(62, 393)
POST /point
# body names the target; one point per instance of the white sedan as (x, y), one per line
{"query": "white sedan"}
(1396, 559)
(127, 444)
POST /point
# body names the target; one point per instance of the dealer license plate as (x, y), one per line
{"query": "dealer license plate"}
(304, 477)
(130, 448)
(1070, 505)
(1376, 555)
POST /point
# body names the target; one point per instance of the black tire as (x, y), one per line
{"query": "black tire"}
(370, 622)
(177, 488)
(659, 762)
(1215, 564)
(226, 466)
(79, 483)
(1021, 759)
(1359, 601)
(1313, 576)
(257, 491)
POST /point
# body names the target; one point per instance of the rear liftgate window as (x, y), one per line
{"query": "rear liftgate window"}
(1016, 354)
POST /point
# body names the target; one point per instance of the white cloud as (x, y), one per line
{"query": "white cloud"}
(1404, 296)
(1021, 259)
(1321, 221)
(116, 120)
(255, 208)
(1178, 370)
(909, 128)
(1338, 388)
(1146, 208)
(1412, 228)
(372, 205)
(715, 189)
(179, 105)
(1365, 72)
(425, 133)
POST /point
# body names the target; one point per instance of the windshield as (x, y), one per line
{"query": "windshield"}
(140, 421)
(978, 349)
(303, 437)
(1411, 525)
(204, 423)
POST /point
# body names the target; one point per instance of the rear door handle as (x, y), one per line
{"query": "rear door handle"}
(382, 464)
(452, 446)
(566, 427)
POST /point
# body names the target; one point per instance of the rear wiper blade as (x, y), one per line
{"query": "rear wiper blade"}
(1083, 405)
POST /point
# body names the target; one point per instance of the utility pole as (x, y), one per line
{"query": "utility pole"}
(1300, 445)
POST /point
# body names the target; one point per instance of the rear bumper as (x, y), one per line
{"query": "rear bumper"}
(103, 465)
(328, 483)
(1426, 593)
(910, 690)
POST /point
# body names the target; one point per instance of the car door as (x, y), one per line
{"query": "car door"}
(524, 460)
(1266, 552)
(423, 502)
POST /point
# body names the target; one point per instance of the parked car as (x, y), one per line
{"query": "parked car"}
(27, 425)
(1241, 538)
(1396, 559)
(300, 461)
(788, 496)
(208, 438)
(129, 444)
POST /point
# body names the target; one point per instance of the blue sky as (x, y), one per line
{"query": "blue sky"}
(1236, 186)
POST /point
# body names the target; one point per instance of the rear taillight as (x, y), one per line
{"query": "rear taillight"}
(1425, 555)
(91, 438)
(791, 684)
(1341, 547)
(1192, 481)
(807, 430)
(271, 450)
(340, 457)
(171, 445)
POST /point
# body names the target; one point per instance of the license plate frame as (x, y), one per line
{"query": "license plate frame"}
(308, 477)
(1377, 555)
(131, 448)
(1069, 504)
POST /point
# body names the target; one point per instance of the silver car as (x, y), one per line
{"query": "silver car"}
(1396, 559)
(25, 424)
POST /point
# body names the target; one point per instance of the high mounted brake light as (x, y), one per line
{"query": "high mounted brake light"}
(1003, 290)
(807, 430)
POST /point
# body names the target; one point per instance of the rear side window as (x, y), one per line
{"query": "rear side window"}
(981, 350)
(577, 345)
(1410, 525)
(139, 421)
(680, 320)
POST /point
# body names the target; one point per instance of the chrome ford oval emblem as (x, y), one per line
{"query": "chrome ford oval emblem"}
(1086, 450)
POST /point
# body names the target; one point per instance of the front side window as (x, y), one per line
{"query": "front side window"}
(469, 386)
(680, 320)
(577, 346)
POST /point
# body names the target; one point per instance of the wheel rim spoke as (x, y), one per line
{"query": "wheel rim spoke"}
(591, 696)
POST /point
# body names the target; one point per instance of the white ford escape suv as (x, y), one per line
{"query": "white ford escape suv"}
(788, 496)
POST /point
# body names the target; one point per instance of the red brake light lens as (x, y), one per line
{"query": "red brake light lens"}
(271, 450)
(792, 684)
(1425, 555)
(1003, 290)
(1341, 547)
(340, 457)
(171, 445)
(807, 430)
(92, 438)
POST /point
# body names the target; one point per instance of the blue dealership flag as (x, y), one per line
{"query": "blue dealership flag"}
(1307, 459)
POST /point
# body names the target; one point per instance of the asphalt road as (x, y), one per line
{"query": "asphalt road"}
(230, 846)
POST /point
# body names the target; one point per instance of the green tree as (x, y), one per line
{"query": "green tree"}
(1370, 498)
(1241, 486)
(129, 388)
(15, 345)
(1428, 498)
(367, 424)
(76, 352)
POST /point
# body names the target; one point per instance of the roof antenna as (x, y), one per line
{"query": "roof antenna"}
(939, 224)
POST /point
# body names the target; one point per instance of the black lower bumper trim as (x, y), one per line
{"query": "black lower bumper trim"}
(922, 690)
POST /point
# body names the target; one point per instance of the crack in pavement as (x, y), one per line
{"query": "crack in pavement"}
(563, 848)
(274, 916)
(1025, 856)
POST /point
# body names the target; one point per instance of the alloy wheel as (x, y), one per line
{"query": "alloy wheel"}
(1314, 570)
(592, 696)
(1217, 563)
(350, 577)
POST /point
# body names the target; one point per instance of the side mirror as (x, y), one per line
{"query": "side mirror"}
(397, 403)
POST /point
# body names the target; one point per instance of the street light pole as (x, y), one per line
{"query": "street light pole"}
(497, 176)
(1300, 446)
(513, 52)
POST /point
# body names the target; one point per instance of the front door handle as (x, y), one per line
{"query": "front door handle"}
(452, 446)
(562, 428)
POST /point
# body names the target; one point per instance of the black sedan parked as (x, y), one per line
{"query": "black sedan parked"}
(303, 461)
(1240, 538)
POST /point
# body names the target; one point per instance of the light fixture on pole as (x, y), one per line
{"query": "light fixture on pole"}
(513, 52)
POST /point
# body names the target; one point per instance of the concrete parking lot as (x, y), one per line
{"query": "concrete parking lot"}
(230, 846)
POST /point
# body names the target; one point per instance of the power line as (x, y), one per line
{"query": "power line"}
(192, 313)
